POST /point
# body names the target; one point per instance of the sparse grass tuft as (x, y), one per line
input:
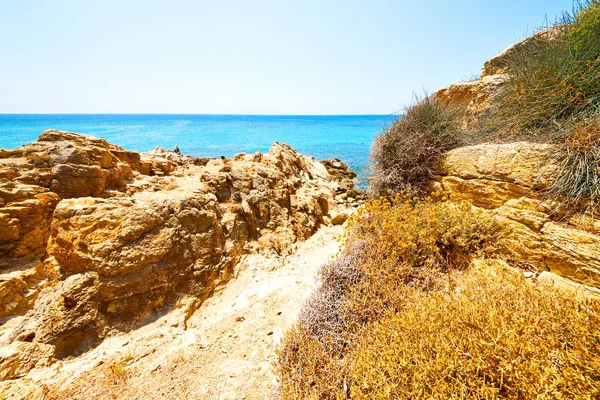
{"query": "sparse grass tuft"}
(576, 182)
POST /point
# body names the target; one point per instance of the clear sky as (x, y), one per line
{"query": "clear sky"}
(247, 56)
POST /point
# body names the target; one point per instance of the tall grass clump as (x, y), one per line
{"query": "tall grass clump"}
(405, 154)
(576, 181)
(403, 314)
(557, 80)
(553, 95)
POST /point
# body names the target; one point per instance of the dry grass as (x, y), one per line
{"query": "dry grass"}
(406, 153)
(576, 182)
(394, 244)
(555, 81)
(493, 336)
(554, 96)
(403, 316)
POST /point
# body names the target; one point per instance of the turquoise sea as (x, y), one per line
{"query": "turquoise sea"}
(345, 137)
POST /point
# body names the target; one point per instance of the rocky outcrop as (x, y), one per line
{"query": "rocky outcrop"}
(345, 191)
(500, 64)
(508, 179)
(96, 240)
(478, 99)
(33, 180)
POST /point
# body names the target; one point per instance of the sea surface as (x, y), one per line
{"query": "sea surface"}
(346, 137)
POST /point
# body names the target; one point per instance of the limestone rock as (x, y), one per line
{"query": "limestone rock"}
(567, 286)
(478, 98)
(572, 252)
(96, 240)
(507, 179)
(19, 358)
(500, 63)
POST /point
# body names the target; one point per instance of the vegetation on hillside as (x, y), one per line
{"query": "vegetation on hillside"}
(404, 313)
(405, 155)
(556, 83)
(401, 314)
(554, 95)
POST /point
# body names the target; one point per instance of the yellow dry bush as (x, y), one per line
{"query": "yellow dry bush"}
(493, 336)
(394, 244)
(403, 314)
(431, 232)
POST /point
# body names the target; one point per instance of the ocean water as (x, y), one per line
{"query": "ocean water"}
(345, 137)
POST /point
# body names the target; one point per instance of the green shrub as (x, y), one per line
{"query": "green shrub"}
(406, 154)
(585, 29)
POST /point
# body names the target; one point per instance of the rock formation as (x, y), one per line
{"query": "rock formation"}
(96, 240)
(478, 97)
(509, 179)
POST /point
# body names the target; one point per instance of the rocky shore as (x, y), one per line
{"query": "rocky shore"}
(97, 241)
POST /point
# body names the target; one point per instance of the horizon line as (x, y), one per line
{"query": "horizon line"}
(217, 114)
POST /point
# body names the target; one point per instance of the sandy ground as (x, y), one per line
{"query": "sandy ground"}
(225, 350)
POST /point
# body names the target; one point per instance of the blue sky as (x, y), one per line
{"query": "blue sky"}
(248, 57)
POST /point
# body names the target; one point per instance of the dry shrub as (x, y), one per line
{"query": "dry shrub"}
(576, 182)
(556, 80)
(406, 153)
(409, 320)
(320, 315)
(553, 95)
(494, 336)
(394, 245)
(434, 232)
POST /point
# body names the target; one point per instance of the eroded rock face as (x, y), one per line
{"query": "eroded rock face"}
(478, 98)
(96, 240)
(507, 179)
(33, 180)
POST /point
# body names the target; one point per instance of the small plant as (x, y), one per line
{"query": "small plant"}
(320, 315)
(407, 152)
